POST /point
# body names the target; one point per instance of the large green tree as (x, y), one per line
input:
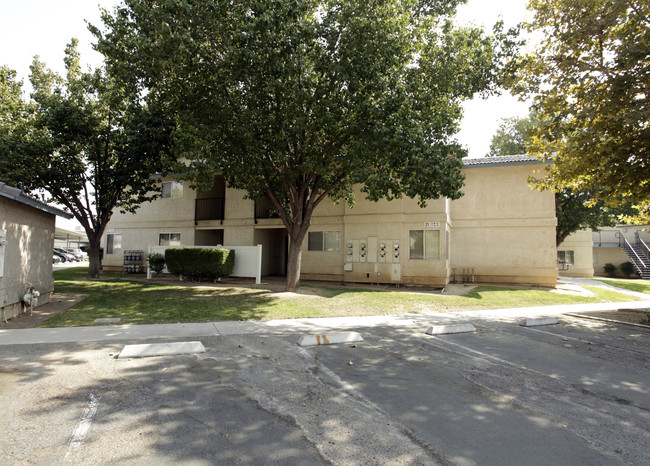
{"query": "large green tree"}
(589, 75)
(300, 100)
(575, 210)
(512, 136)
(89, 143)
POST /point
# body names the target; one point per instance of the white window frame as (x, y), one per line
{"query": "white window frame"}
(110, 243)
(174, 190)
(328, 238)
(169, 239)
(431, 256)
(562, 257)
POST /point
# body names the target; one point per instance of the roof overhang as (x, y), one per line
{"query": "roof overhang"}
(19, 196)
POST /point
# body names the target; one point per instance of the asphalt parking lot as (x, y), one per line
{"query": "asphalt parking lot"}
(572, 393)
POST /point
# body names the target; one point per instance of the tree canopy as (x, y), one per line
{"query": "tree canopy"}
(87, 142)
(300, 100)
(512, 136)
(590, 76)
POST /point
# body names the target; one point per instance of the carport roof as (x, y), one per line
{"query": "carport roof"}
(18, 195)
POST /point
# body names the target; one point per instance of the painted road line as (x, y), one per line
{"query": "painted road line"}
(161, 349)
(450, 328)
(330, 339)
(83, 426)
(537, 321)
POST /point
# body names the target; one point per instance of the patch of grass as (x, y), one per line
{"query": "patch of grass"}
(642, 286)
(140, 302)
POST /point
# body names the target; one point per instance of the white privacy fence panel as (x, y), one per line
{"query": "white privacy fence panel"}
(248, 259)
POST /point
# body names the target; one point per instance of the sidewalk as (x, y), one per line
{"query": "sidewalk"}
(288, 326)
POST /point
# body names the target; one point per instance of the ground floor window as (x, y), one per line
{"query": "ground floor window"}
(169, 239)
(323, 241)
(113, 244)
(424, 244)
(565, 257)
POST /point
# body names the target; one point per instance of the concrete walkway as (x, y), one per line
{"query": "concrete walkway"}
(301, 326)
(599, 284)
(288, 326)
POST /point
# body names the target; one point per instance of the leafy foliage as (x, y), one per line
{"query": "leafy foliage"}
(156, 262)
(627, 269)
(200, 263)
(87, 141)
(298, 101)
(589, 76)
(512, 136)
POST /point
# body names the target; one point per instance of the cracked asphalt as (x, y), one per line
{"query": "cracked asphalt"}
(573, 393)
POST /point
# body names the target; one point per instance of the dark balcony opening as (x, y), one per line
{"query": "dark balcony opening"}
(210, 205)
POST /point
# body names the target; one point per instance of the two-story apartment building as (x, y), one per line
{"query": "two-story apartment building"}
(500, 231)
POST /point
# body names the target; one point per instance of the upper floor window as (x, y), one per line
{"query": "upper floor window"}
(172, 189)
(323, 241)
(424, 244)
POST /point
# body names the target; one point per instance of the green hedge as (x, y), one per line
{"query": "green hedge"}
(200, 263)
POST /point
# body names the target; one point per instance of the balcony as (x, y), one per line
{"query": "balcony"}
(264, 209)
(211, 208)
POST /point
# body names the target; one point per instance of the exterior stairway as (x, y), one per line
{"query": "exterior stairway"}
(637, 253)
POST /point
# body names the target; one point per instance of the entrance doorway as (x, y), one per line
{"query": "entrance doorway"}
(275, 250)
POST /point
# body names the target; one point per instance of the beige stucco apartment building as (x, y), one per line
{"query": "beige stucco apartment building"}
(26, 240)
(500, 231)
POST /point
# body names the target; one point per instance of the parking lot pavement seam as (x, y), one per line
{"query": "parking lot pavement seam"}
(355, 395)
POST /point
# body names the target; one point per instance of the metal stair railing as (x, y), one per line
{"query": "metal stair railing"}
(628, 247)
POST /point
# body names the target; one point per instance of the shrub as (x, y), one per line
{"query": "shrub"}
(627, 268)
(156, 262)
(610, 269)
(200, 263)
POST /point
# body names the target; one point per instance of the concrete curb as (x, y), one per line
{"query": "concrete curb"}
(161, 349)
(537, 321)
(330, 339)
(450, 328)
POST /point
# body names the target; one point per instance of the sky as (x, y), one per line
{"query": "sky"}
(45, 27)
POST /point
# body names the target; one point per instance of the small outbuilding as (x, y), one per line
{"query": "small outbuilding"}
(27, 228)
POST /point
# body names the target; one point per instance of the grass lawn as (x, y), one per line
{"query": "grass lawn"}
(137, 301)
(642, 286)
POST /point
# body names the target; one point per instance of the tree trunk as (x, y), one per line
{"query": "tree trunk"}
(94, 258)
(294, 262)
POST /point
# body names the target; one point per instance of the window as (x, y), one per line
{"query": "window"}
(172, 189)
(113, 244)
(565, 257)
(424, 244)
(169, 239)
(323, 241)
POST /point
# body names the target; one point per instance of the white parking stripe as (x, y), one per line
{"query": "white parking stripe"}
(82, 426)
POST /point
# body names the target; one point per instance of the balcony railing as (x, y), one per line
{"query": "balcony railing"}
(264, 209)
(212, 208)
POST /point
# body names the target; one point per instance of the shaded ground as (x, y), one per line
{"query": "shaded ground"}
(631, 316)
